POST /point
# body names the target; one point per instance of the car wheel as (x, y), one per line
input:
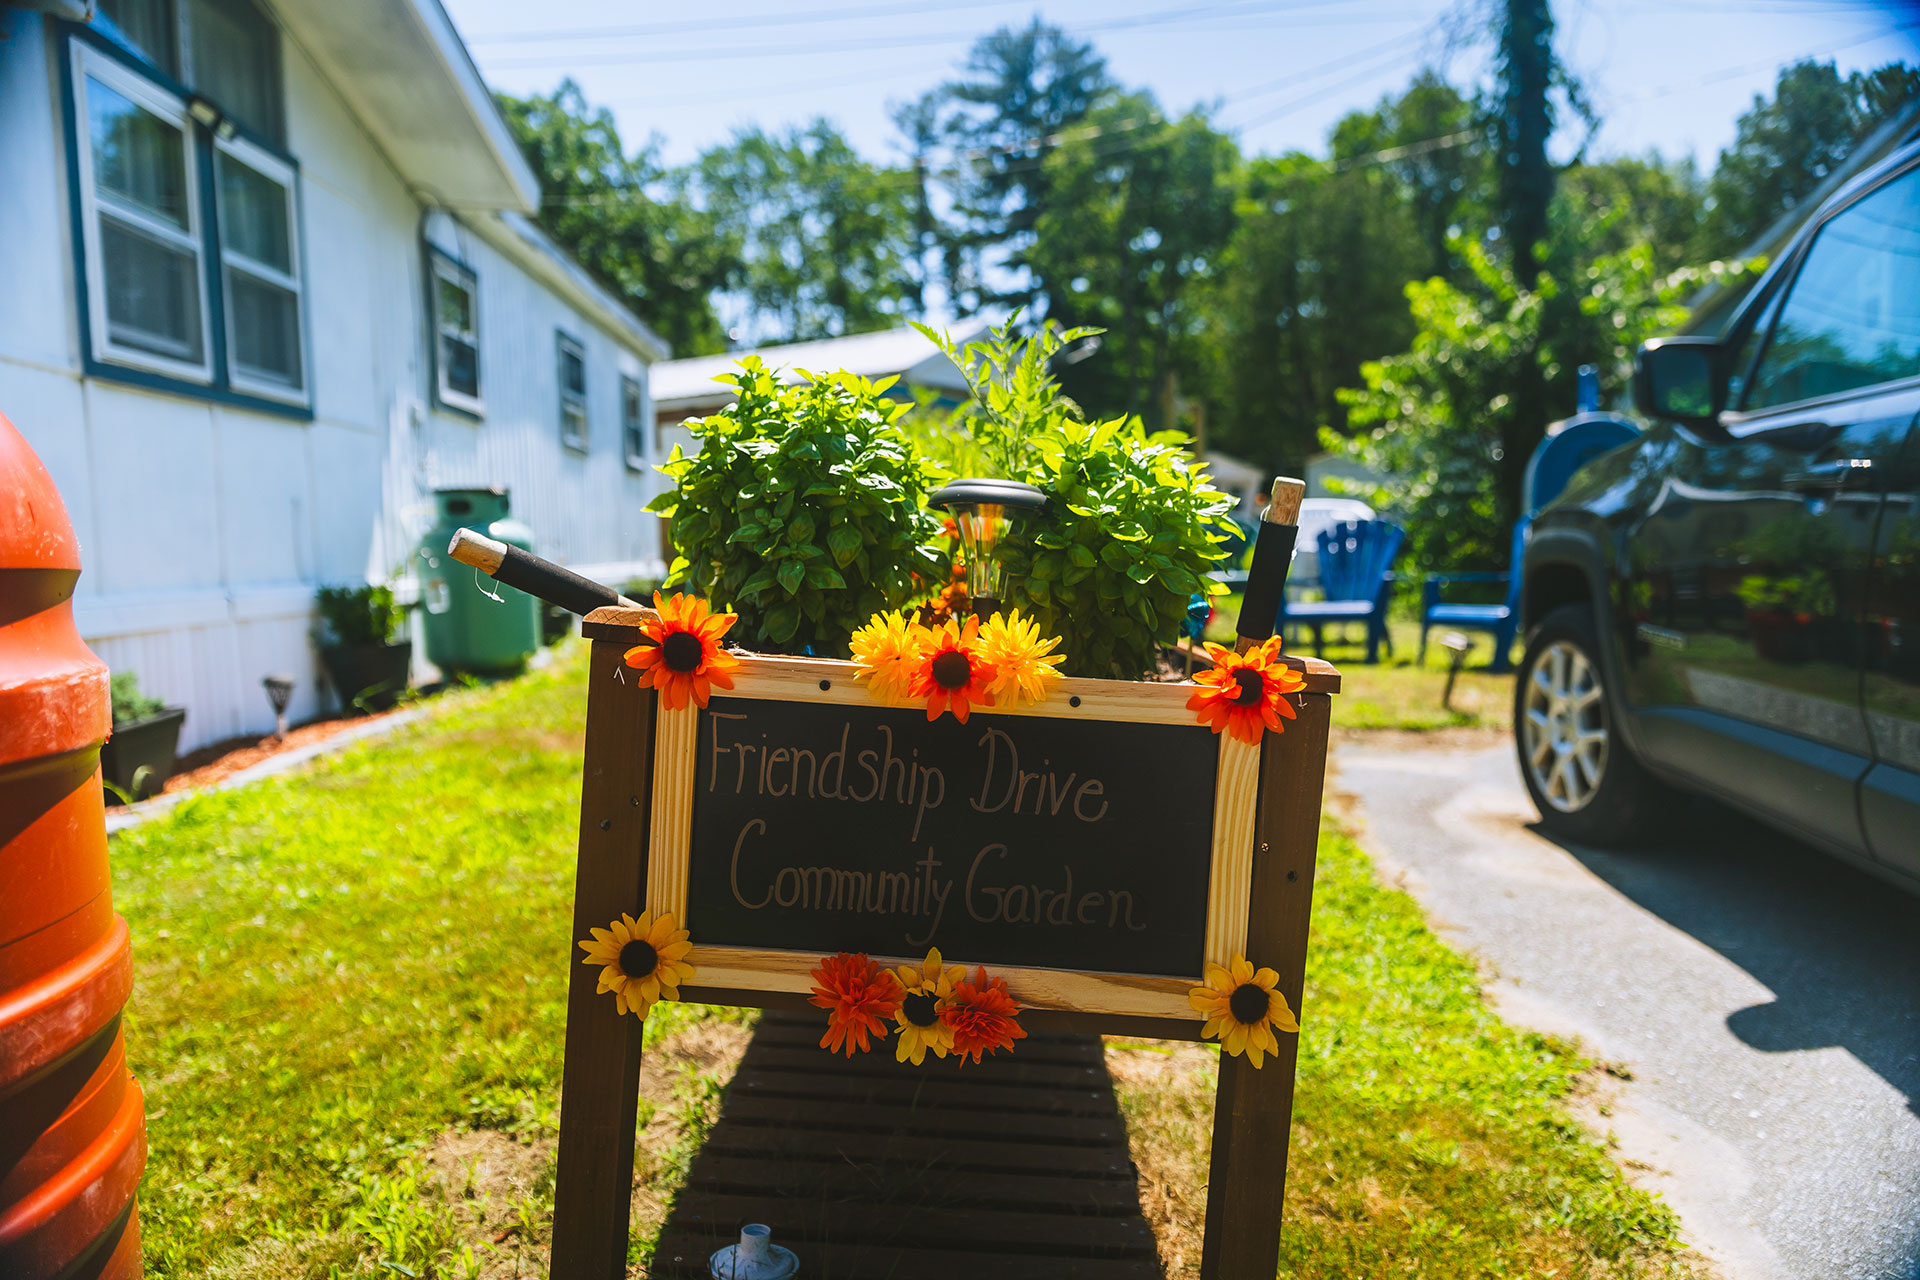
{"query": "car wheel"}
(1584, 780)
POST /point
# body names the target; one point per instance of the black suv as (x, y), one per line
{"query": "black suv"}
(1732, 603)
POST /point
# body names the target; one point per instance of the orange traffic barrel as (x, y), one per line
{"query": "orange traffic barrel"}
(73, 1133)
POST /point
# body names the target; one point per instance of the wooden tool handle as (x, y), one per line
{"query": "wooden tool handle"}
(531, 574)
(1272, 557)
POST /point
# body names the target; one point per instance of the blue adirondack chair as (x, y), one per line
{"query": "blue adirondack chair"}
(1570, 445)
(1355, 558)
(1500, 619)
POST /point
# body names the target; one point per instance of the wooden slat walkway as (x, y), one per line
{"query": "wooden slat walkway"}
(869, 1169)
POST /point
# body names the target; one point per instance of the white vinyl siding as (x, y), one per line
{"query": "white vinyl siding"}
(141, 221)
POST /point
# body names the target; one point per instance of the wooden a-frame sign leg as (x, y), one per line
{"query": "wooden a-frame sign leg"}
(600, 1079)
(1253, 1110)
(599, 1092)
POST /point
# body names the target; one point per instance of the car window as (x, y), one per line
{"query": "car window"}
(1852, 317)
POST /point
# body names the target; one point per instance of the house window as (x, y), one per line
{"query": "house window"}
(259, 269)
(189, 227)
(456, 320)
(226, 50)
(573, 392)
(142, 226)
(632, 430)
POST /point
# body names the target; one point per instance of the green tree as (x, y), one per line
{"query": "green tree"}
(1422, 139)
(1019, 90)
(1310, 286)
(826, 237)
(1438, 418)
(1786, 145)
(1139, 206)
(627, 219)
(1636, 201)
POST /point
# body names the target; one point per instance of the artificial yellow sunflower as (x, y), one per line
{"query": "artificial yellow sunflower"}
(1242, 1008)
(684, 657)
(1023, 663)
(951, 672)
(643, 960)
(928, 986)
(886, 649)
(1245, 693)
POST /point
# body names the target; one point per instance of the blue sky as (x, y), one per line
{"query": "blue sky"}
(1665, 74)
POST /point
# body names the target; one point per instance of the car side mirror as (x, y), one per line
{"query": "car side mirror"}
(1681, 378)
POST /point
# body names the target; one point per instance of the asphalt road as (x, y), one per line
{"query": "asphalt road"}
(1765, 998)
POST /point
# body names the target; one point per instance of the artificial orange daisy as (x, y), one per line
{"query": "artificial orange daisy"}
(926, 988)
(951, 671)
(859, 996)
(685, 656)
(641, 960)
(886, 649)
(1024, 664)
(1242, 1008)
(1245, 693)
(983, 1016)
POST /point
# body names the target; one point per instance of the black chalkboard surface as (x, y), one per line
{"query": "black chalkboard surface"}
(1018, 841)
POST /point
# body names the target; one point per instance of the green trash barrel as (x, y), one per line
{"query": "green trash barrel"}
(465, 628)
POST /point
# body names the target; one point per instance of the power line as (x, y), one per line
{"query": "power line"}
(547, 35)
(1203, 13)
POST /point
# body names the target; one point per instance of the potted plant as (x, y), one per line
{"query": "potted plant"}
(361, 645)
(138, 759)
(1130, 528)
(804, 510)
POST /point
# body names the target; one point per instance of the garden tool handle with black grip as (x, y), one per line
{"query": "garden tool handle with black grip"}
(1272, 557)
(533, 575)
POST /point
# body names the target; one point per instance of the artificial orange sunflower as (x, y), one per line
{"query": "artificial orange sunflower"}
(1245, 693)
(983, 1016)
(1024, 664)
(859, 996)
(685, 656)
(951, 671)
(926, 987)
(1242, 1008)
(886, 649)
(642, 960)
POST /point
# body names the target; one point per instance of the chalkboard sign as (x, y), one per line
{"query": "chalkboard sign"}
(1039, 842)
(1095, 853)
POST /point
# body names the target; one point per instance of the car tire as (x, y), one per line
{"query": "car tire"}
(1583, 778)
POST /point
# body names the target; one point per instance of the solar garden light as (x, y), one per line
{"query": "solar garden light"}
(756, 1257)
(983, 512)
(279, 693)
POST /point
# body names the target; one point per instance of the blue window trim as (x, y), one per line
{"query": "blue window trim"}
(219, 390)
(432, 253)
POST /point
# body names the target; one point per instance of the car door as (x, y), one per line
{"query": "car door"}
(1758, 550)
(1890, 793)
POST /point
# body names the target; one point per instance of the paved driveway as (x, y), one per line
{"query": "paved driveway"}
(1765, 998)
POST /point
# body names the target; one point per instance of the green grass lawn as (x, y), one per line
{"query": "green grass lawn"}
(349, 1005)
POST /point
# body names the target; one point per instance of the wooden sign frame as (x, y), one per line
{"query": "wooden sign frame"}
(635, 822)
(741, 970)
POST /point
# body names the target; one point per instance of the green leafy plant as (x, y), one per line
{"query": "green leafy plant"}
(1132, 526)
(805, 509)
(129, 704)
(359, 615)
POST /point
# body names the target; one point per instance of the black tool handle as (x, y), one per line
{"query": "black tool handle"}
(1272, 558)
(531, 574)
